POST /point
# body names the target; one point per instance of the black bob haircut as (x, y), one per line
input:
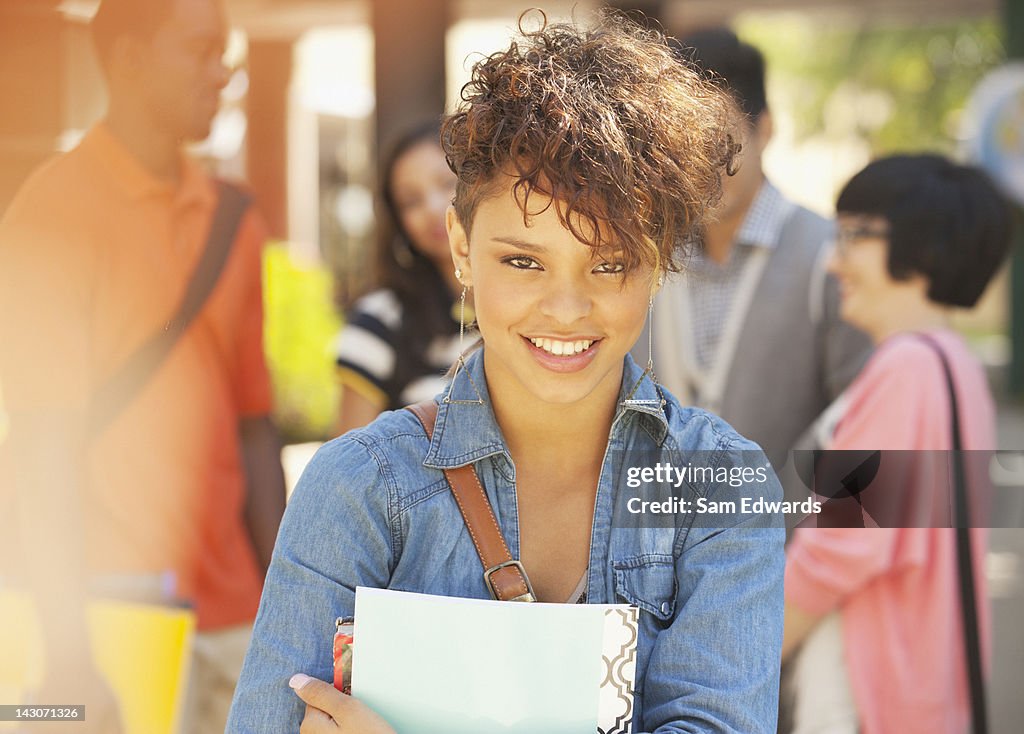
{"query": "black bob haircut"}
(722, 57)
(947, 222)
(116, 18)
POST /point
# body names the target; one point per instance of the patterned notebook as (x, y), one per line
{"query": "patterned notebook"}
(615, 706)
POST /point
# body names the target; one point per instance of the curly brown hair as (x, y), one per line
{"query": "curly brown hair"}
(608, 122)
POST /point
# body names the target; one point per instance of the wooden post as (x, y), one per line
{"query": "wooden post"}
(409, 65)
(270, 73)
(33, 88)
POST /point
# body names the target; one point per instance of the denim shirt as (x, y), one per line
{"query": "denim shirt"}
(373, 509)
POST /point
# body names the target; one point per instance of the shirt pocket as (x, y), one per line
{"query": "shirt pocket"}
(649, 583)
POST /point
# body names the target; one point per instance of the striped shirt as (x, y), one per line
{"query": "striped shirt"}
(367, 351)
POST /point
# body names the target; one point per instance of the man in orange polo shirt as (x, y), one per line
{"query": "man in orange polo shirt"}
(96, 251)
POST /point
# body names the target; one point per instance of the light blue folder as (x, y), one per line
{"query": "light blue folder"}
(449, 665)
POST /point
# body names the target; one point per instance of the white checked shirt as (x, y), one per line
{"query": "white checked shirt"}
(712, 285)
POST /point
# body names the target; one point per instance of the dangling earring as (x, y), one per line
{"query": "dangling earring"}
(650, 337)
(650, 332)
(460, 363)
(649, 370)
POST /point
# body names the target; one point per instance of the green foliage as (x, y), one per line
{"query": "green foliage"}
(300, 325)
(899, 87)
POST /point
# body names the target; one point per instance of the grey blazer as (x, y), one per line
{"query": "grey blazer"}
(793, 355)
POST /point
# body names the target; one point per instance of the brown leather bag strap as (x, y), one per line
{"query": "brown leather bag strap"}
(504, 577)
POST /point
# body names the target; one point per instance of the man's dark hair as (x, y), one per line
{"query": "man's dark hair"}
(116, 18)
(947, 222)
(721, 56)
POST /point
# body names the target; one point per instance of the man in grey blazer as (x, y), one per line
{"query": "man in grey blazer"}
(750, 330)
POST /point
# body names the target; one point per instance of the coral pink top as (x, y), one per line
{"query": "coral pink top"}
(897, 588)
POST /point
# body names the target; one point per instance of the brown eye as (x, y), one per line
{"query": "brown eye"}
(521, 262)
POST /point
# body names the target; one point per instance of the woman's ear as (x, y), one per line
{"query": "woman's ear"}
(657, 281)
(458, 241)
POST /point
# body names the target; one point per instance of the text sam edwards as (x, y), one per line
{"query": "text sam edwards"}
(704, 506)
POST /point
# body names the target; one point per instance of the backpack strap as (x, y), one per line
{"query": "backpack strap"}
(118, 390)
(504, 577)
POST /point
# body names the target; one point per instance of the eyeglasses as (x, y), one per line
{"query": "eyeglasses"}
(848, 236)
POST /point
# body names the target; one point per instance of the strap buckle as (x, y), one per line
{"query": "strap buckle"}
(529, 596)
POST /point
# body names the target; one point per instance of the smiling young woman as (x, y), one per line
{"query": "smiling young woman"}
(583, 158)
(540, 294)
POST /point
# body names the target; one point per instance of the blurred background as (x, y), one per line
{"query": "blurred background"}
(321, 86)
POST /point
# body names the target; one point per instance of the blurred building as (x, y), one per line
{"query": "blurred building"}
(324, 84)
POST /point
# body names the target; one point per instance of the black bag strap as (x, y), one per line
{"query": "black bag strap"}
(118, 390)
(968, 603)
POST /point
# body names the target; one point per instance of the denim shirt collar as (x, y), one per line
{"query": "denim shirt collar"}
(467, 431)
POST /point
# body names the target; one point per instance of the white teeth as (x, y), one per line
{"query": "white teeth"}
(560, 348)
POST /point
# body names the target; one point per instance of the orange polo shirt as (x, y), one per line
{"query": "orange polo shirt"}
(95, 254)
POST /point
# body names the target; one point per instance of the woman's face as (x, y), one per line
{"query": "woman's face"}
(870, 297)
(422, 187)
(556, 317)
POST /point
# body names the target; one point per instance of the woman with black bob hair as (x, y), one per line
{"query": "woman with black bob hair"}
(400, 337)
(873, 623)
(945, 222)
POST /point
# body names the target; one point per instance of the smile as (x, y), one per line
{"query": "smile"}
(562, 348)
(563, 355)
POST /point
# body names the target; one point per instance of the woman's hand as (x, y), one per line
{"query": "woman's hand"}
(329, 711)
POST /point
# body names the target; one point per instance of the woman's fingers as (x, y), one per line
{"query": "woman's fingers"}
(321, 709)
(319, 694)
(330, 710)
(317, 722)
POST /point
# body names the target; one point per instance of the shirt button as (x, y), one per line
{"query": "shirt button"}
(665, 607)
